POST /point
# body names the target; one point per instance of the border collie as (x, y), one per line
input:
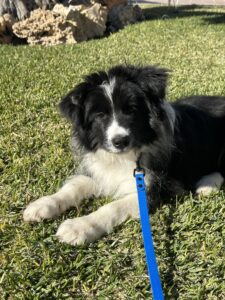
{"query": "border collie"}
(120, 117)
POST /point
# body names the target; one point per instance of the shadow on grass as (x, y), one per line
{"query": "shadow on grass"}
(169, 279)
(165, 12)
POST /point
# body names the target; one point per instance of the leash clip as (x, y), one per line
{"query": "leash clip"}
(138, 169)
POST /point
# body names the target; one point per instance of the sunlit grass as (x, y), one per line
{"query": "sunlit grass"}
(35, 159)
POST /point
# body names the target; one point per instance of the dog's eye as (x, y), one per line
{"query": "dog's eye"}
(100, 114)
(129, 110)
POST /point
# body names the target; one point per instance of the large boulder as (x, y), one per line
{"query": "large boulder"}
(6, 23)
(122, 15)
(63, 25)
(88, 21)
(43, 27)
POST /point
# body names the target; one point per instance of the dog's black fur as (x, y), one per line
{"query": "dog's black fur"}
(178, 143)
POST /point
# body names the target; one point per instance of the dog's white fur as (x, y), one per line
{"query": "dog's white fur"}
(109, 87)
(111, 175)
(114, 130)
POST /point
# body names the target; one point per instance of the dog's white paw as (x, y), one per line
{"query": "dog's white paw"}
(209, 184)
(44, 208)
(206, 190)
(78, 231)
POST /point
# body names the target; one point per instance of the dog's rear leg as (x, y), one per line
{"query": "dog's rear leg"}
(91, 227)
(209, 184)
(71, 194)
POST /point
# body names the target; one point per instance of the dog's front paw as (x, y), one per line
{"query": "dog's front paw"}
(43, 208)
(78, 231)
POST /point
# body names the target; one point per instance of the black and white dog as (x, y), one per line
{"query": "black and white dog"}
(120, 117)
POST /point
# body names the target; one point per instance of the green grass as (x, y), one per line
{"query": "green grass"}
(35, 159)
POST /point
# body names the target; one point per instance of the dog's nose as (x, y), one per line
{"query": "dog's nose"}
(120, 142)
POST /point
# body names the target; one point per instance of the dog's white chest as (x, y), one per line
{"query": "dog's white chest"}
(112, 172)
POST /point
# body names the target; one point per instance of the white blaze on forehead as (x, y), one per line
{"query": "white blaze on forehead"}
(108, 87)
(115, 129)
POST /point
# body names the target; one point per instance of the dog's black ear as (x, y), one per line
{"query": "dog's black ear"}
(153, 81)
(72, 104)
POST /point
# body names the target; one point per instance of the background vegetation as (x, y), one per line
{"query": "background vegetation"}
(35, 159)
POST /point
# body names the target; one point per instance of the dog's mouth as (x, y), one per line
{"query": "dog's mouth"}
(111, 149)
(115, 151)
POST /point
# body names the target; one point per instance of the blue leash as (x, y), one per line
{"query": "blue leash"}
(147, 236)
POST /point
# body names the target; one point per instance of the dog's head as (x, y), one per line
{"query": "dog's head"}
(119, 110)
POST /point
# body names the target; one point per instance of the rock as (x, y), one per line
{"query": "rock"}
(20, 9)
(121, 15)
(108, 3)
(62, 25)
(77, 2)
(43, 27)
(68, 13)
(89, 22)
(111, 3)
(43, 4)
(6, 33)
(96, 16)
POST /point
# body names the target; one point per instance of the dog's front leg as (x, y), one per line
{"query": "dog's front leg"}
(71, 194)
(91, 227)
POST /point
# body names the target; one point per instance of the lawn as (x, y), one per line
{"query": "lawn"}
(35, 159)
